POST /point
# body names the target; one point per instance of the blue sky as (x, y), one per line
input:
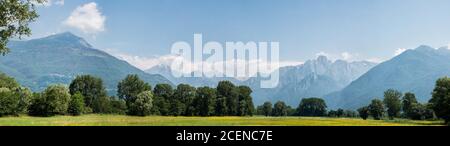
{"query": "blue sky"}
(346, 29)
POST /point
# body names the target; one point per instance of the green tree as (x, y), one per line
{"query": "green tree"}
(184, 95)
(58, 97)
(142, 105)
(364, 112)
(228, 91)
(420, 112)
(25, 95)
(102, 104)
(15, 16)
(350, 113)
(332, 113)
(314, 107)
(340, 112)
(90, 87)
(246, 106)
(205, 101)
(39, 106)
(279, 109)
(440, 101)
(130, 87)
(291, 111)
(267, 108)
(8, 103)
(162, 94)
(14, 99)
(376, 109)
(260, 110)
(393, 103)
(408, 101)
(76, 104)
(176, 108)
(7, 82)
(221, 106)
(118, 106)
(54, 100)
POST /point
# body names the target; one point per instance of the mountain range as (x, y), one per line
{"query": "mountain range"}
(60, 58)
(413, 71)
(314, 78)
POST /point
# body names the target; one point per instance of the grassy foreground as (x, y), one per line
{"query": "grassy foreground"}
(121, 120)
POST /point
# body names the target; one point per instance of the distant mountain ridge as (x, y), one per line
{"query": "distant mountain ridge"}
(314, 78)
(412, 71)
(60, 58)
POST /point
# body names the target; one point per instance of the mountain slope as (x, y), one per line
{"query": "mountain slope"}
(315, 78)
(412, 71)
(60, 58)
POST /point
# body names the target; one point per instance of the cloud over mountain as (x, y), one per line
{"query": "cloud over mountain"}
(87, 18)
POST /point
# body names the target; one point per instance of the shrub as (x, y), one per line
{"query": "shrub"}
(313, 107)
(14, 102)
(376, 109)
(76, 104)
(364, 112)
(54, 100)
(142, 105)
(101, 104)
(279, 109)
(118, 106)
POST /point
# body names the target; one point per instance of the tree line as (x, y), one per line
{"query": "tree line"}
(397, 105)
(86, 94)
(393, 105)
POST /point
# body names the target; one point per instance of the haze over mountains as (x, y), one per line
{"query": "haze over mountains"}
(60, 58)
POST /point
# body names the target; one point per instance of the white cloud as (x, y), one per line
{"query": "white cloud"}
(323, 54)
(375, 60)
(87, 18)
(347, 56)
(399, 51)
(142, 63)
(145, 63)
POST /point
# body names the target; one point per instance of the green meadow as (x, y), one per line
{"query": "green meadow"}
(122, 120)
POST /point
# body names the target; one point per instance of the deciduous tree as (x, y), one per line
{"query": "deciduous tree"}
(267, 108)
(376, 109)
(91, 88)
(364, 112)
(279, 109)
(393, 103)
(312, 107)
(440, 101)
(15, 17)
(142, 105)
(76, 104)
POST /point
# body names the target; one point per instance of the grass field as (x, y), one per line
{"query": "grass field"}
(120, 120)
